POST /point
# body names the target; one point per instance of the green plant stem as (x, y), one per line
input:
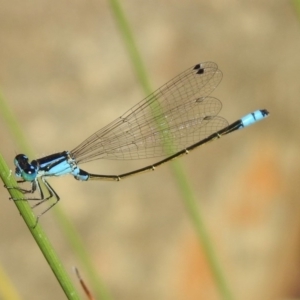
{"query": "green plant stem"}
(193, 210)
(66, 225)
(37, 233)
(130, 44)
(183, 184)
(13, 125)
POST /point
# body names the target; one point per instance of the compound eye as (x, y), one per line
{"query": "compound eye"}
(21, 157)
(24, 169)
(21, 161)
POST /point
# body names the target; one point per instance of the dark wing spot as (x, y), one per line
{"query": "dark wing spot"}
(200, 71)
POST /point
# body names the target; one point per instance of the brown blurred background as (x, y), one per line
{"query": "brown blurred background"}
(65, 73)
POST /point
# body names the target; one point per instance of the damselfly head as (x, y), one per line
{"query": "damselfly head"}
(24, 169)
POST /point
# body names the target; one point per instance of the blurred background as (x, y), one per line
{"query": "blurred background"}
(65, 73)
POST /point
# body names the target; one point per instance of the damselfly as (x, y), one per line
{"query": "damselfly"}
(175, 119)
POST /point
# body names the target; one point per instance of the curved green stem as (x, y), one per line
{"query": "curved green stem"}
(37, 233)
(184, 186)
